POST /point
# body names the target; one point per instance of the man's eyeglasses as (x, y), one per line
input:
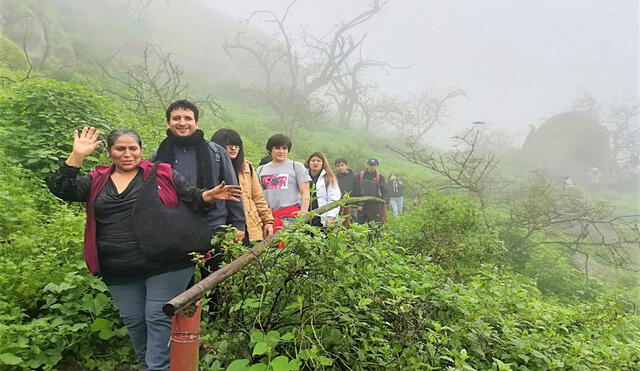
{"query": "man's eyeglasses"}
(233, 146)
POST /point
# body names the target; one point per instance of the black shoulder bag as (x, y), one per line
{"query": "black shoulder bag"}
(163, 233)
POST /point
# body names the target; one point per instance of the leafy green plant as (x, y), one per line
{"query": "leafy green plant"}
(37, 119)
(354, 298)
(450, 231)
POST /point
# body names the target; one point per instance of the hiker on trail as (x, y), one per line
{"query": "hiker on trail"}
(285, 183)
(204, 164)
(349, 183)
(395, 192)
(141, 273)
(372, 184)
(257, 213)
(324, 188)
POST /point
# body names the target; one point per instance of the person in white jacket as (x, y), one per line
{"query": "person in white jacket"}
(324, 186)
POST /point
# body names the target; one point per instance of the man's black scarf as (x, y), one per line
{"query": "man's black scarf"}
(167, 153)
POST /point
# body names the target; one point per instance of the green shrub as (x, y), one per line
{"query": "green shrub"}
(37, 119)
(550, 267)
(450, 231)
(355, 299)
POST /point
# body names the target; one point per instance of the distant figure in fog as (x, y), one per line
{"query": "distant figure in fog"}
(395, 192)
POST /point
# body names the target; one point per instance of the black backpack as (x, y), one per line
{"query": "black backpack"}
(163, 233)
(369, 187)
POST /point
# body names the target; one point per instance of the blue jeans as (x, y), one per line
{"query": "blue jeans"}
(140, 305)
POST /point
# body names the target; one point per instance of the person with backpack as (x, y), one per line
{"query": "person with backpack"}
(372, 184)
(257, 212)
(285, 183)
(325, 188)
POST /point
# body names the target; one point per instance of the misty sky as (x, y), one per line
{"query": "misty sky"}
(520, 62)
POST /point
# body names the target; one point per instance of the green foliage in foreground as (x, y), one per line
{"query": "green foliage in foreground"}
(355, 299)
(350, 298)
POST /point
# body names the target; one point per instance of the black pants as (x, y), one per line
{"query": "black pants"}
(370, 213)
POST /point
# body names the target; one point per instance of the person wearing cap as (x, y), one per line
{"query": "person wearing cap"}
(372, 184)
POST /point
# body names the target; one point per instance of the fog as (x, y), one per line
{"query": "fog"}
(519, 62)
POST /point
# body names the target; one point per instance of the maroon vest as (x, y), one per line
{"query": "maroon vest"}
(99, 176)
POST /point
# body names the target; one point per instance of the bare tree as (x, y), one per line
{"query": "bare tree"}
(32, 71)
(491, 140)
(588, 103)
(622, 122)
(372, 106)
(351, 93)
(347, 90)
(462, 168)
(296, 71)
(563, 217)
(625, 128)
(417, 114)
(152, 84)
(582, 226)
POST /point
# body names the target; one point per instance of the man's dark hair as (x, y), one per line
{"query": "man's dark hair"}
(114, 135)
(226, 137)
(339, 161)
(278, 140)
(182, 104)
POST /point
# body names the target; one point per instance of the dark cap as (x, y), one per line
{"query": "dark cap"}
(373, 162)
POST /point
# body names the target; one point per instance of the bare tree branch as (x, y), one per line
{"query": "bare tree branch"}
(152, 84)
(297, 72)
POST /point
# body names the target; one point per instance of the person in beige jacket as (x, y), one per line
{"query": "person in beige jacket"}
(257, 213)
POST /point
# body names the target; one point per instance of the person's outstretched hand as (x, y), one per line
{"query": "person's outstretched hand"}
(222, 192)
(84, 143)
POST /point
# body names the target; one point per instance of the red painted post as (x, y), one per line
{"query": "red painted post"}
(185, 341)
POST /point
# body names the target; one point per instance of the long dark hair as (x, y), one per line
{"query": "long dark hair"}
(226, 137)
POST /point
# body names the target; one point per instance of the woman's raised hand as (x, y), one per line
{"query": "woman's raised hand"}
(222, 192)
(84, 143)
